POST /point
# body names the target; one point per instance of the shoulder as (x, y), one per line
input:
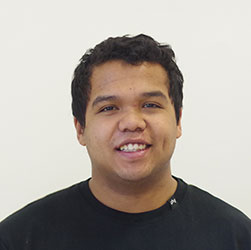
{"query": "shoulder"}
(209, 209)
(52, 205)
(215, 222)
(47, 219)
(211, 203)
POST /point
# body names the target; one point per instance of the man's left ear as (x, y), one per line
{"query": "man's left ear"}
(80, 132)
(179, 128)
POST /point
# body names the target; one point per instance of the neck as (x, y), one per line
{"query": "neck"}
(134, 197)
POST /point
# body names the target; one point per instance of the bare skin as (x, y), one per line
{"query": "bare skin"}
(130, 105)
(135, 198)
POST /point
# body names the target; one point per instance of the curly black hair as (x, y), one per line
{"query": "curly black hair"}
(133, 50)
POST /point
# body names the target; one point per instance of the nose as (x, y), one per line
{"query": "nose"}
(132, 121)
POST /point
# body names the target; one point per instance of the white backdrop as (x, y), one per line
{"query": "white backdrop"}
(41, 43)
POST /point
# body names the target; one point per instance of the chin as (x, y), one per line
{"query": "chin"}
(134, 175)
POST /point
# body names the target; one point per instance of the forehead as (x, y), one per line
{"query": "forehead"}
(118, 76)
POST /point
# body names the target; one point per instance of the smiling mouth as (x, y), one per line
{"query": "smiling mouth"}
(133, 147)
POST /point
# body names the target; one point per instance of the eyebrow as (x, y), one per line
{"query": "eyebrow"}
(154, 94)
(105, 98)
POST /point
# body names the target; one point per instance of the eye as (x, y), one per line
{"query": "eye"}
(108, 108)
(151, 105)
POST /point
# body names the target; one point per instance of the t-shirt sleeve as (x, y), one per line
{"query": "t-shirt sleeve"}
(3, 246)
(244, 232)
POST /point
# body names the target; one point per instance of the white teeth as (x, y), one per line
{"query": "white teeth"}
(132, 147)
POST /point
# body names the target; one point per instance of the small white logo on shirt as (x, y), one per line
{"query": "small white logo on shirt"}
(172, 201)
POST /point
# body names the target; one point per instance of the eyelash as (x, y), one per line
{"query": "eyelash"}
(112, 108)
(107, 109)
(153, 105)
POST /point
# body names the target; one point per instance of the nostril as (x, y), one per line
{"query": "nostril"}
(132, 122)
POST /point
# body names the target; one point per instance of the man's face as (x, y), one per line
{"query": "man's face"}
(131, 128)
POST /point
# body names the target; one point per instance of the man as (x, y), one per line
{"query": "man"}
(127, 107)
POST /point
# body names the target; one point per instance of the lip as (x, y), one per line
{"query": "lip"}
(135, 155)
(132, 141)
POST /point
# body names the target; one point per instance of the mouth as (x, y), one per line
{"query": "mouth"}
(133, 147)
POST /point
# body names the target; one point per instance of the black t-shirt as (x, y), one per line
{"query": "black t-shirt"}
(73, 219)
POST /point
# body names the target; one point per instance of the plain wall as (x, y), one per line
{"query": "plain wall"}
(41, 43)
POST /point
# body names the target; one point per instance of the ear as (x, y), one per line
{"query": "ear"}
(179, 128)
(80, 132)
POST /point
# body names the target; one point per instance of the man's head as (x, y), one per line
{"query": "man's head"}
(132, 50)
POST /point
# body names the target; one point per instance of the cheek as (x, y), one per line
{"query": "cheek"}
(98, 135)
(166, 134)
